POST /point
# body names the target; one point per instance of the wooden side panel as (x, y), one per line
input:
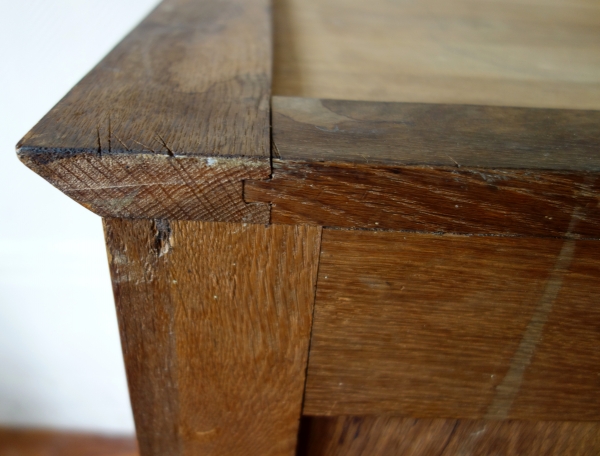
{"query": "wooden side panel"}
(387, 436)
(215, 322)
(171, 121)
(506, 52)
(434, 326)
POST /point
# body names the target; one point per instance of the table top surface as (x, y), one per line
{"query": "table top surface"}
(530, 53)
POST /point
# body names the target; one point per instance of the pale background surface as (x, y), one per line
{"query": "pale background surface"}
(60, 358)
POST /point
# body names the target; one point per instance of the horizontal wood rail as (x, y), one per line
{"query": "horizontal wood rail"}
(430, 167)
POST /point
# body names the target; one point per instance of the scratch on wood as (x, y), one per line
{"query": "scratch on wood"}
(455, 162)
(99, 143)
(122, 143)
(507, 390)
(205, 435)
(276, 153)
(143, 145)
(468, 443)
(449, 439)
(118, 203)
(164, 143)
(109, 135)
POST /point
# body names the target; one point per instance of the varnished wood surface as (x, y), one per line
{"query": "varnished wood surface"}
(30, 442)
(171, 121)
(469, 327)
(505, 52)
(215, 322)
(430, 167)
(391, 436)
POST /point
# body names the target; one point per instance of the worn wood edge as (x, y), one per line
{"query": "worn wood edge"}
(167, 119)
(182, 50)
(155, 186)
(391, 133)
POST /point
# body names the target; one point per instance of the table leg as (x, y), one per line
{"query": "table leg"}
(215, 322)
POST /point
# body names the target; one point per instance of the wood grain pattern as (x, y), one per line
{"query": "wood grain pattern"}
(427, 134)
(508, 52)
(354, 436)
(437, 168)
(31, 442)
(171, 121)
(432, 326)
(215, 322)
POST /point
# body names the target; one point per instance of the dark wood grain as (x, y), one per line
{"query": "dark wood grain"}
(171, 122)
(471, 327)
(440, 168)
(33, 442)
(215, 322)
(387, 436)
(466, 136)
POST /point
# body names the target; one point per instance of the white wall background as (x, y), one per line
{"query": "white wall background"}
(60, 358)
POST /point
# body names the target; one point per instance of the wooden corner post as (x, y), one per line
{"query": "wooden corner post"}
(215, 320)
(214, 306)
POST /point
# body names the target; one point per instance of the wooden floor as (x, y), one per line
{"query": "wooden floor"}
(53, 443)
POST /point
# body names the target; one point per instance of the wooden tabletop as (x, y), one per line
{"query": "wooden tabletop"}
(531, 53)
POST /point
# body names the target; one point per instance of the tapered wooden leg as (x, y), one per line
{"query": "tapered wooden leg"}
(215, 322)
